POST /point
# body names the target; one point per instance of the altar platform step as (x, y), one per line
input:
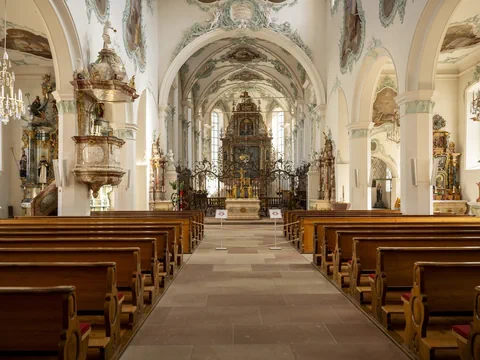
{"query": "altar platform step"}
(264, 221)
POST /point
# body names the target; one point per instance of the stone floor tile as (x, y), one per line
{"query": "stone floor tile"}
(236, 267)
(242, 250)
(347, 352)
(349, 313)
(169, 352)
(215, 315)
(316, 299)
(183, 335)
(307, 314)
(282, 334)
(357, 333)
(254, 274)
(243, 352)
(185, 300)
(245, 300)
(158, 315)
(270, 267)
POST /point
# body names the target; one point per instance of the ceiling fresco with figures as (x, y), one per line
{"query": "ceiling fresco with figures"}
(462, 39)
(27, 42)
(223, 70)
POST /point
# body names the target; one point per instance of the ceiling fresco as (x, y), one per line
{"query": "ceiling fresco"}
(226, 68)
(462, 39)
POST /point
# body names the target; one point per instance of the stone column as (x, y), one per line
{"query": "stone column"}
(125, 192)
(73, 197)
(416, 133)
(360, 163)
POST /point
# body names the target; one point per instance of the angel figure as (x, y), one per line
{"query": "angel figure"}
(106, 34)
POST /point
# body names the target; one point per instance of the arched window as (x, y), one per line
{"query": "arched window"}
(215, 136)
(278, 130)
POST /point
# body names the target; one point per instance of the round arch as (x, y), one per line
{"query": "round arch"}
(427, 42)
(63, 39)
(220, 34)
(365, 85)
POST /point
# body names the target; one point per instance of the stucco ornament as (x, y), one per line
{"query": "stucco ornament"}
(207, 5)
(389, 10)
(334, 6)
(241, 14)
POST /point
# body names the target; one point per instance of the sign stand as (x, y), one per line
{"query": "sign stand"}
(221, 214)
(275, 214)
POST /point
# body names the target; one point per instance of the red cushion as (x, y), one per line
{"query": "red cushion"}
(407, 296)
(350, 262)
(84, 327)
(372, 276)
(462, 330)
(120, 296)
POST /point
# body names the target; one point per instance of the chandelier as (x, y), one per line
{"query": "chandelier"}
(475, 106)
(10, 104)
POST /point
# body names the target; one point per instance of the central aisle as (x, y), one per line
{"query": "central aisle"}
(252, 303)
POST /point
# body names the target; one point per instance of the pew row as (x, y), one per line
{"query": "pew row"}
(440, 289)
(128, 271)
(43, 321)
(393, 275)
(364, 261)
(148, 256)
(318, 224)
(468, 336)
(96, 293)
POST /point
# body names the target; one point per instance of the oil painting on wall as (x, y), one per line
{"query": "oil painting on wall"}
(134, 33)
(353, 34)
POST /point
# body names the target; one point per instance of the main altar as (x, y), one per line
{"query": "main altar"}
(246, 155)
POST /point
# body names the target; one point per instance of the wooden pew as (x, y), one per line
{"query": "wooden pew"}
(468, 336)
(43, 321)
(374, 223)
(393, 275)
(181, 225)
(96, 294)
(127, 260)
(197, 217)
(109, 231)
(305, 230)
(148, 254)
(343, 242)
(319, 223)
(365, 255)
(439, 289)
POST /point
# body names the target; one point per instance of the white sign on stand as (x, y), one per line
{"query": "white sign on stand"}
(221, 214)
(275, 214)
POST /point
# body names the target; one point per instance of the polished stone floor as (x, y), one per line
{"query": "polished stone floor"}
(252, 303)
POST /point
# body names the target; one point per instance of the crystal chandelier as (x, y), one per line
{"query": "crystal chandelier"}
(10, 104)
(475, 106)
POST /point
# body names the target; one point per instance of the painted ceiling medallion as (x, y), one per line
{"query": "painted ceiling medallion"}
(389, 10)
(246, 75)
(101, 8)
(134, 34)
(242, 11)
(244, 55)
(353, 35)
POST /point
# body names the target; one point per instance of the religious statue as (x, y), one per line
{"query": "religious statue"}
(23, 166)
(106, 34)
(42, 171)
(379, 203)
(234, 191)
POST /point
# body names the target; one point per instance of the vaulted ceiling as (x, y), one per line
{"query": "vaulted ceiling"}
(221, 71)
